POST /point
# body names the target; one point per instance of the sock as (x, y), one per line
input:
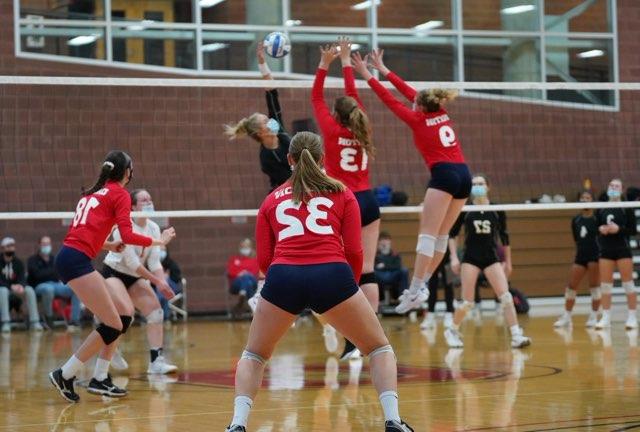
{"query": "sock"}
(71, 367)
(515, 330)
(606, 313)
(154, 353)
(389, 402)
(102, 369)
(427, 277)
(632, 312)
(416, 284)
(241, 407)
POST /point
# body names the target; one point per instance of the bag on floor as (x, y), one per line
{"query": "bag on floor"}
(520, 301)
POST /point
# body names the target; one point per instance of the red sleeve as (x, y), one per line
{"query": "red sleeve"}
(320, 109)
(404, 88)
(350, 84)
(405, 114)
(265, 241)
(122, 207)
(351, 235)
(232, 269)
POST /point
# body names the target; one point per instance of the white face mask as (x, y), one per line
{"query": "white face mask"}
(385, 249)
(148, 208)
(245, 251)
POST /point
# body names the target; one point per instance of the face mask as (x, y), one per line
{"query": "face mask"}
(45, 250)
(273, 125)
(612, 193)
(10, 254)
(385, 249)
(245, 251)
(479, 191)
(148, 208)
(163, 255)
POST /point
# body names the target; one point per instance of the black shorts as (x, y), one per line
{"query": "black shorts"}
(453, 178)
(583, 258)
(369, 208)
(318, 287)
(72, 264)
(482, 261)
(616, 254)
(127, 280)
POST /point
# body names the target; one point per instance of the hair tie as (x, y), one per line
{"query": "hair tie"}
(109, 164)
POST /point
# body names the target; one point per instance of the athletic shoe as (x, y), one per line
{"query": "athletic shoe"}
(592, 320)
(160, 366)
(632, 322)
(453, 338)
(633, 337)
(65, 387)
(106, 388)
(605, 322)
(6, 327)
(448, 319)
(349, 350)
(429, 321)
(36, 326)
(235, 428)
(519, 340)
(118, 362)
(563, 321)
(394, 426)
(253, 303)
(409, 301)
(330, 339)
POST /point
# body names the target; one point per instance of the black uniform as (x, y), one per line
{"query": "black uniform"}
(616, 246)
(274, 162)
(481, 230)
(585, 234)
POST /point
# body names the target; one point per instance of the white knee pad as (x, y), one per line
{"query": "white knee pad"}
(467, 306)
(506, 299)
(426, 245)
(155, 317)
(569, 294)
(380, 350)
(595, 293)
(248, 355)
(606, 288)
(629, 287)
(442, 243)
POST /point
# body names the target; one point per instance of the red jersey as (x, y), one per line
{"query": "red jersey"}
(325, 230)
(433, 133)
(239, 263)
(344, 158)
(96, 214)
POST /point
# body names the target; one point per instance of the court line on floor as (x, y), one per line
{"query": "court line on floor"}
(484, 428)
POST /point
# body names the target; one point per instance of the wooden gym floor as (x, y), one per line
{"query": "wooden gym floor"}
(579, 380)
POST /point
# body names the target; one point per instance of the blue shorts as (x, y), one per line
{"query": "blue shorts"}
(72, 264)
(453, 178)
(369, 208)
(318, 287)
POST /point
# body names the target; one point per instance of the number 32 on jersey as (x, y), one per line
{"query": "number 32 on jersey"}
(294, 226)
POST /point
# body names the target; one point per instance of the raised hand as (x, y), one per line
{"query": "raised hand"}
(376, 62)
(344, 43)
(328, 54)
(260, 52)
(360, 65)
(168, 235)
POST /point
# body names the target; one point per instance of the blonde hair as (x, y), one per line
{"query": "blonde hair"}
(356, 120)
(431, 100)
(308, 178)
(249, 126)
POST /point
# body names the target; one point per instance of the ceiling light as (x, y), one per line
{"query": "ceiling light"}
(213, 47)
(292, 23)
(429, 25)
(141, 26)
(83, 40)
(209, 3)
(513, 10)
(365, 5)
(591, 53)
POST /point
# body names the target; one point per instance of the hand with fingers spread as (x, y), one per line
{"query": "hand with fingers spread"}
(344, 44)
(360, 65)
(328, 54)
(376, 62)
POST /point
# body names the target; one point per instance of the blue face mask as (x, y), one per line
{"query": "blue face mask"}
(612, 193)
(479, 191)
(45, 250)
(273, 125)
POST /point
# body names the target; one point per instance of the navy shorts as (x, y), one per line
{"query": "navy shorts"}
(616, 254)
(127, 280)
(453, 178)
(369, 208)
(318, 287)
(72, 264)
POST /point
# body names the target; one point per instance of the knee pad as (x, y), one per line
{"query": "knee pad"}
(606, 288)
(155, 317)
(506, 299)
(442, 243)
(126, 322)
(368, 278)
(248, 355)
(426, 245)
(595, 293)
(380, 350)
(108, 334)
(629, 287)
(569, 294)
(467, 306)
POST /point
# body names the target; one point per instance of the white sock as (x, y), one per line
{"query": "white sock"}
(416, 284)
(515, 330)
(101, 370)
(241, 407)
(632, 312)
(606, 313)
(389, 401)
(71, 367)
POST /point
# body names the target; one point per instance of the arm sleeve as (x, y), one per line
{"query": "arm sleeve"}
(273, 106)
(320, 109)
(123, 220)
(503, 233)
(350, 85)
(631, 227)
(457, 226)
(351, 236)
(404, 88)
(405, 114)
(285, 141)
(574, 230)
(265, 240)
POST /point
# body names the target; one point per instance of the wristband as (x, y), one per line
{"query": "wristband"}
(264, 69)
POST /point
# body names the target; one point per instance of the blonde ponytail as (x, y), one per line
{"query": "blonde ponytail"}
(360, 126)
(248, 126)
(432, 100)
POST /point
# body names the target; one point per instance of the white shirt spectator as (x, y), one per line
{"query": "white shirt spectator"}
(132, 257)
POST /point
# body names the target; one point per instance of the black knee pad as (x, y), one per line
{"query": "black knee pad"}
(109, 334)
(368, 278)
(126, 322)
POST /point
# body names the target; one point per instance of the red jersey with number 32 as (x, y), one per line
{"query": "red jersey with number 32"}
(95, 217)
(324, 230)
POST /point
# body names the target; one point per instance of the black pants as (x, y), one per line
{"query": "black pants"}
(439, 278)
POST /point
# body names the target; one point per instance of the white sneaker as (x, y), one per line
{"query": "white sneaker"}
(409, 301)
(592, 320)
(633, 337)
(356, 355)
(564, 320)
(160, 366)
(429, 321)
(6, 327)
(448, 319)
(605, 322)
(253, 303)
(453, 338)
(519, 340)
(118, 362)
(330, 339)
(632, 322)
(36, 326)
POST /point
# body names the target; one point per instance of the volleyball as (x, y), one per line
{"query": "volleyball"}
(277, 45)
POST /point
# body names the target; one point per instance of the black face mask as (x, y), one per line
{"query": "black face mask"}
(130, 177)
(10, 254)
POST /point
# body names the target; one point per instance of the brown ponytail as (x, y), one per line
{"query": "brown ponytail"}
(249, 126)
(357, 121)
(308, 178)
(432, 100)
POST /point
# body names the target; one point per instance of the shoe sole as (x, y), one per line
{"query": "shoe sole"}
(55, 384)
(162, 373)
(106, 393)
(411, 306)
(522, 345)
(347, 356)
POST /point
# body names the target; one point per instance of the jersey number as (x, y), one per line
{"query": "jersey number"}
(583, 231)
(610, 219)
(348, 160)
(82, 210)
(447, 136)
(482, 226)
(294, 225)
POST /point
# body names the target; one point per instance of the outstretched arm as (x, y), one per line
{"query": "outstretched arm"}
(347, 70)
(404, 88)
(320, 108)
